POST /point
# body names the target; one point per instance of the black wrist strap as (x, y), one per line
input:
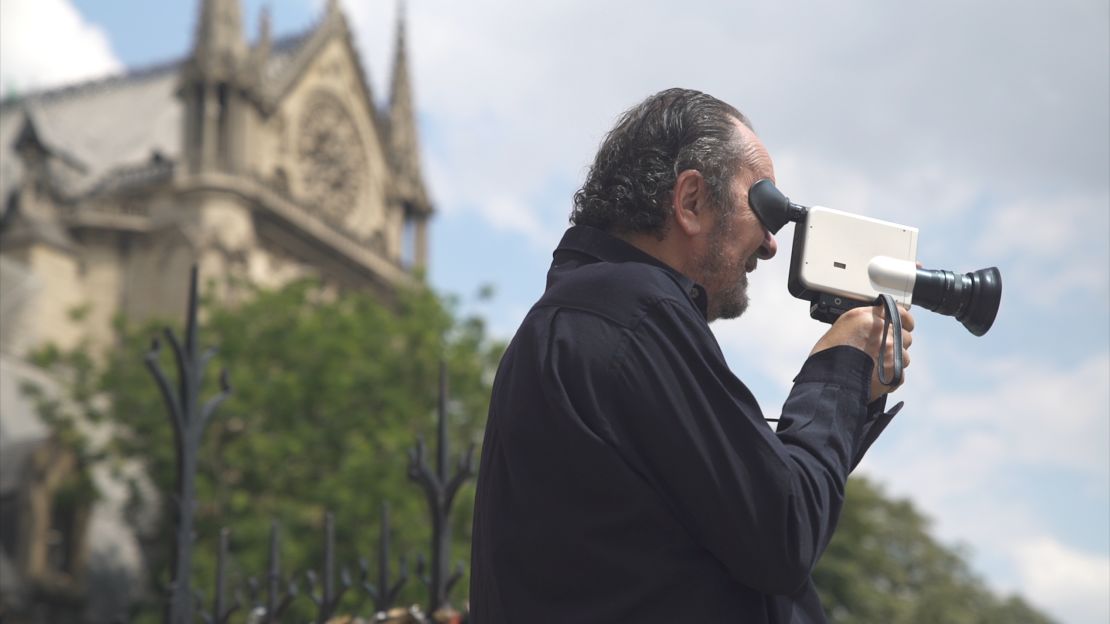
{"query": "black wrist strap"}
(892, 317)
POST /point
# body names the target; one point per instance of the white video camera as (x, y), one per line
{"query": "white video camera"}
(842, 261)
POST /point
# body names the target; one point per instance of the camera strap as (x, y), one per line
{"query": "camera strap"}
(892, 317)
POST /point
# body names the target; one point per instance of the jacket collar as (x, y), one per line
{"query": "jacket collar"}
(599, 246)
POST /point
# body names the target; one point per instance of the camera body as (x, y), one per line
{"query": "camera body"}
(842, 260)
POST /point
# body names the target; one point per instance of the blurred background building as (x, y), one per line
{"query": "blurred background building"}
(259, 162)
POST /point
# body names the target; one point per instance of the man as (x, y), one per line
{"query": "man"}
(627, 475)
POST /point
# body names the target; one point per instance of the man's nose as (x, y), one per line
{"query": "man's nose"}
(769, 247)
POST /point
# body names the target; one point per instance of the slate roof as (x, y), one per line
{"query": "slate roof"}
(101, 124)
(112, 126)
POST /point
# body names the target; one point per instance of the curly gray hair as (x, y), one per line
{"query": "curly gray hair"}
(628, 188)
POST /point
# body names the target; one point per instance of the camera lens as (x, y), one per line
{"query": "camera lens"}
(972, 298)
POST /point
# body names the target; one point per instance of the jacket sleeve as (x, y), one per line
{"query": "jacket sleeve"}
(765, 503)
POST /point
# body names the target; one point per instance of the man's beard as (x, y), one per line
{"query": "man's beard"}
(732, 299)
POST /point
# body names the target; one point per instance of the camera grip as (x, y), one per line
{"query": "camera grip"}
(827, 308)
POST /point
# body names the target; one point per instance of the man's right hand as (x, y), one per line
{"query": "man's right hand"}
(863, 328)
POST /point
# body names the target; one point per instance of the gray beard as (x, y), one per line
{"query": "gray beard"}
(733, 301)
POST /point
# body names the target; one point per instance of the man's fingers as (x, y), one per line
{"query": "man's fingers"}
(877, 327)
(907, 318)
(879, 312)
(889, 364)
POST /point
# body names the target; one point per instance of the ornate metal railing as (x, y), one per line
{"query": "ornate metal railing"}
(268, 599)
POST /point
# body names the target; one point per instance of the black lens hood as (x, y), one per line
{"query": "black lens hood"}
(986, 295)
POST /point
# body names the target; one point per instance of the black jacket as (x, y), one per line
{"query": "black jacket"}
(628, 476)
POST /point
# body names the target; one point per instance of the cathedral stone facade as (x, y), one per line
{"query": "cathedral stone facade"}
(264, 161)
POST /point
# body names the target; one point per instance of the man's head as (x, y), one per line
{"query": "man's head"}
(672, 178)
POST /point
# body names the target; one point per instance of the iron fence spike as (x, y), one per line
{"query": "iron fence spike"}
(311, 576)
(454, 578)
(288, 600)
(169, 396)
(223, 619)
(211, 405)
(184, 371)
(391, 596)
(371, 590)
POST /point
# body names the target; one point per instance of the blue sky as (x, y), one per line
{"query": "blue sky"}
(984, 124)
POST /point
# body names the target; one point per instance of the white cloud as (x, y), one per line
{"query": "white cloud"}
(1048, 416)
(507, 213)
(966, 456)
(1049, 226)
(920, 195)
(1072, 584)
(860, 93)
(1024, 417)
(46, 43)
(1056, 244)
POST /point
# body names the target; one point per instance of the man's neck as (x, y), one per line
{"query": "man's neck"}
(666, 249)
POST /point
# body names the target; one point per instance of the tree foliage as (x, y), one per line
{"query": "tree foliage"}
(329, 392)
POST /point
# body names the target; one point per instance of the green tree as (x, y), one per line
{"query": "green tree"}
(329, 392)
(883, 566)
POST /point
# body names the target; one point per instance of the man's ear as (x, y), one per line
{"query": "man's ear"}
(690, 202)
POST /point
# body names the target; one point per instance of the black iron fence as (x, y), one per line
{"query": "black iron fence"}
(267, 598)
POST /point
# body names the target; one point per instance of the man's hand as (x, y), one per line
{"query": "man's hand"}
(863, 328)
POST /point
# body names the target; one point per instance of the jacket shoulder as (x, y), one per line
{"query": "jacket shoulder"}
(621, 292)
